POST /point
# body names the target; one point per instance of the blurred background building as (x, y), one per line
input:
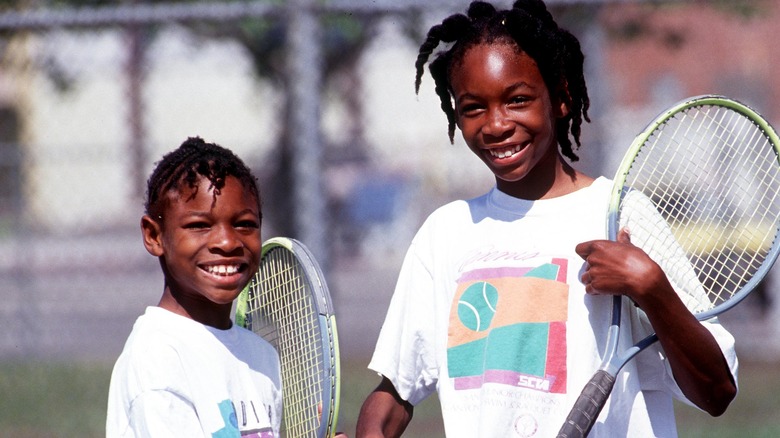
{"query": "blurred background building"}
(318, 97)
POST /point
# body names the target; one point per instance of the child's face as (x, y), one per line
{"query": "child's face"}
(505, 113)
(210, 246)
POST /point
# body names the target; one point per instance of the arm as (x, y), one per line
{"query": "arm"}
(696, 360)
(384, 413)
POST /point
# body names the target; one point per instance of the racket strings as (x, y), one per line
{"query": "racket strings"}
(283, 295)
(713, 175)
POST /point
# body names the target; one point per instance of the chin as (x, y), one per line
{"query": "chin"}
(224, 298)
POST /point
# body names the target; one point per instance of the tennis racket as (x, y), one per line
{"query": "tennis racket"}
(699, 189)
(288, 304)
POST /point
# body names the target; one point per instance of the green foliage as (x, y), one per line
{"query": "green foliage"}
(637, 25)
(743, 8)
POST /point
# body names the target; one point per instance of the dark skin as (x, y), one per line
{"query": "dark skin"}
(507, 116)
(701, 371)
(209, 248)
(384, 413)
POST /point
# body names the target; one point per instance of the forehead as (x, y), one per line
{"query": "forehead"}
(202, 195)
(496, 61)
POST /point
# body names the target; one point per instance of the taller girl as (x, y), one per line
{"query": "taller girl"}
(503, 301)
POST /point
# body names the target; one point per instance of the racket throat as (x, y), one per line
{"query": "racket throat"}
(608, 363)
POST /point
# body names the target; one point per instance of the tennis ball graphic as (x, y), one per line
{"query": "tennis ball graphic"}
(477, 306)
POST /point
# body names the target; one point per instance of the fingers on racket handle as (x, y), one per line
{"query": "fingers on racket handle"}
(587, 407)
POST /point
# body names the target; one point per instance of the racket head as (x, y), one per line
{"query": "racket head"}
(699, 190)
(288, 304)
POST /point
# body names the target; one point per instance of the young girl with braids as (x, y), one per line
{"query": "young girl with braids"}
(503, 301)
(186, 369)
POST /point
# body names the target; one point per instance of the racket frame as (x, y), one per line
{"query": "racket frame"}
(596, 392)
(326, 317)
(618, 188)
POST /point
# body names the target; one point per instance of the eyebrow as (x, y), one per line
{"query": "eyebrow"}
(196, 213)
(513, 87)
(521, 84)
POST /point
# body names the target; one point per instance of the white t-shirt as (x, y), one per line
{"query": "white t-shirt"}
(489, 310)
(178, 377)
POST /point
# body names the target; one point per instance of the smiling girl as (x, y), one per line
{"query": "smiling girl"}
(186, 369)
(509, 342)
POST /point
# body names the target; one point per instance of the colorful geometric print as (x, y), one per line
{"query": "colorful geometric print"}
(229, 417)
(228, 412)
(508, 326)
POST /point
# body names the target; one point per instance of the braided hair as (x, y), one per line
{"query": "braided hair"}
(531, 27)
(185, 165)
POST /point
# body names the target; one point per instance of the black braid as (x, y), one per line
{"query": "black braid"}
(532, 28)
(186, 164)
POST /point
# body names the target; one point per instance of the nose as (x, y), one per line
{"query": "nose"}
(497, 124)
(225, 239)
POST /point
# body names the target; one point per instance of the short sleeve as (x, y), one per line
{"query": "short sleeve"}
(163, 413)
(405, 352)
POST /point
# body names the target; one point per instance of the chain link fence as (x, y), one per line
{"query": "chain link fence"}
(318, 99)
(92, 97)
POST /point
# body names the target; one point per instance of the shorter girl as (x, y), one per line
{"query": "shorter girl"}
(186, 370)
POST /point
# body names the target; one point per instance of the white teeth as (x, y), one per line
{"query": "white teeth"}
(222, 269)
(505, 153)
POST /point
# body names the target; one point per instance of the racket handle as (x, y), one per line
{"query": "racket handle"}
(588, 406)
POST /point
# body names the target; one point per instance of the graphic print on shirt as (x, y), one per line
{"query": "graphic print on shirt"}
(231, 429)
(508, 326)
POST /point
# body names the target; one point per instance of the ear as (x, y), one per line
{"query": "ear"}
(561, 101)
(152, 235)
(455, 113)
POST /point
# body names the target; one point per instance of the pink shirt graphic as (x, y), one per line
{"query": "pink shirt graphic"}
(508, 326)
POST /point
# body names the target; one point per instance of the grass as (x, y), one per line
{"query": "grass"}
(60, 400)
(50, 399)
(752, 415)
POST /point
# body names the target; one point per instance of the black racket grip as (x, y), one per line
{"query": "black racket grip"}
(588, 406)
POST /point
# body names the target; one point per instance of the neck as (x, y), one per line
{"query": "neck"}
(556, 179)
(217, 317)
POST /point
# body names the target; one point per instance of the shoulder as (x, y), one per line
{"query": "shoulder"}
(254, 350)
(249, 339)
(600, 187)
(148, 362)
(460, 211)
(453, 218)
(158, 342)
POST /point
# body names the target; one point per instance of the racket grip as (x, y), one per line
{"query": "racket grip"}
(588, 406)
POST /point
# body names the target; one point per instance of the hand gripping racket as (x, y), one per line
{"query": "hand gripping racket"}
(699, 191)
(288, 304)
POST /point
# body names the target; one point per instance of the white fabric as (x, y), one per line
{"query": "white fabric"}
(177, 377)
(489, 310)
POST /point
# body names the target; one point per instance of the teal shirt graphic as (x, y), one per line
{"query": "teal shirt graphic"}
(231, 422)
(508, 326)
(231, 430)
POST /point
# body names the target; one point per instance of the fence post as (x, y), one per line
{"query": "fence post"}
(304, 60)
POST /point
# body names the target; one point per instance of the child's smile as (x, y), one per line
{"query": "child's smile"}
(209, 244)
(506, 152)
(506, 115)
(222, 270)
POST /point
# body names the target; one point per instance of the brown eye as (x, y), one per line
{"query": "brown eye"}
(196, 225)
(251, 224)
(470, 109)
(519, 100)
